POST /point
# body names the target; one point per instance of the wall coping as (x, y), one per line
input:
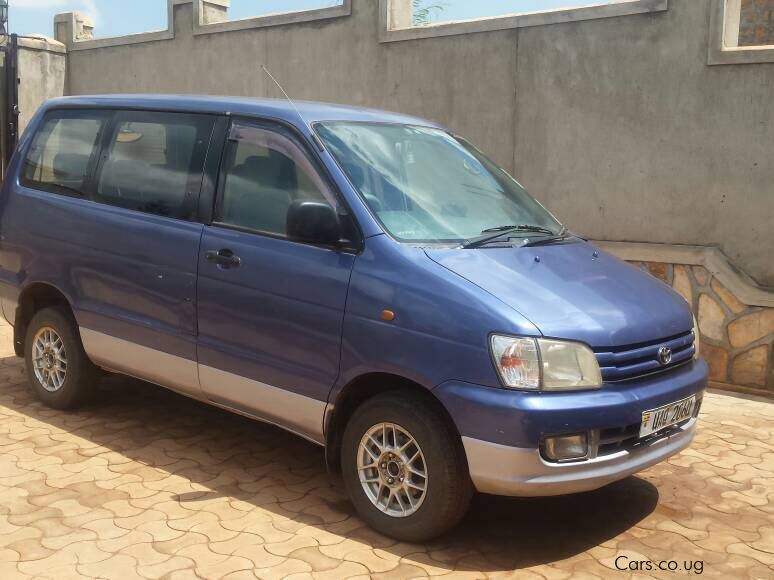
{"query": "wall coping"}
(42, 43)
(540, 18)
(720, 52)
(74, 44)
(267, 20)
(712, 258)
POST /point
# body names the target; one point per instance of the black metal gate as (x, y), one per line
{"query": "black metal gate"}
(12, 96)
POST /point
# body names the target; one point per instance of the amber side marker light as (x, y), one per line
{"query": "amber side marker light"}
(388, 315)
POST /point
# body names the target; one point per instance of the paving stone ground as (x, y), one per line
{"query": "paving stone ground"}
(145, 483)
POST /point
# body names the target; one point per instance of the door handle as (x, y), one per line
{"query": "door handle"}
(224, 258)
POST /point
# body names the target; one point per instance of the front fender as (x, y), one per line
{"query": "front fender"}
(441, 325)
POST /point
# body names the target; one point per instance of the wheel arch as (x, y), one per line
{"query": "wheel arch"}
(33, 298)
(365, 387)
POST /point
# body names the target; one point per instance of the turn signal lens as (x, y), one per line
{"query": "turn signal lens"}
(517, 361)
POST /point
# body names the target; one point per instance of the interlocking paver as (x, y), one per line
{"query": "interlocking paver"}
(146, 484)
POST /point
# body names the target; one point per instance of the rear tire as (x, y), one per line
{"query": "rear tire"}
(59, 372)
(413, 494)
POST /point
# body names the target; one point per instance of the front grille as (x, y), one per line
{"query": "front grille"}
(630, 362)
(618, 439)
(627, 438)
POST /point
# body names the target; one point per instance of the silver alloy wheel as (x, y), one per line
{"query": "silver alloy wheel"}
(49, 359)
(392, 470)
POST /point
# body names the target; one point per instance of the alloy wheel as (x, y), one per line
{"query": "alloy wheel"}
(392, 470)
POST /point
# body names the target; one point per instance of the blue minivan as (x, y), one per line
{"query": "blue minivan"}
(367, 280)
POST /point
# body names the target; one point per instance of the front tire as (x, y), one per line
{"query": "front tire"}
(403, 468)
(59, 372)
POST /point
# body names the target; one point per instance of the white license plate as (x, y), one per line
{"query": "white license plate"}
(666, 416)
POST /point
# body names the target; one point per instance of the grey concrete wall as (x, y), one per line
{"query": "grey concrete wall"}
(3, 115)
(625, 131)
(339, 60)
(42, 66)
(618, 125)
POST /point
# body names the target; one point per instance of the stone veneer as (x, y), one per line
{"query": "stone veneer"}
(737, 340)
(756, 23)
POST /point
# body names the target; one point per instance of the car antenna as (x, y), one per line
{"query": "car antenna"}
(307, 123)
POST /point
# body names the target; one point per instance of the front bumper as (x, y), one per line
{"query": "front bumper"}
(502, 431)
(515, 471)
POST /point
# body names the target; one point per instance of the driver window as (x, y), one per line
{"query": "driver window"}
(265, 173)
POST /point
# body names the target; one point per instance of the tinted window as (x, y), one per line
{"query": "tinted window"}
(154, 163)
(58, 159)
(265, 173)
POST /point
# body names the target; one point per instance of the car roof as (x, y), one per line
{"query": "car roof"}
(281, 109)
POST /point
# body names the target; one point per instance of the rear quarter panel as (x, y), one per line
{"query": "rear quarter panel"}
(125, 273)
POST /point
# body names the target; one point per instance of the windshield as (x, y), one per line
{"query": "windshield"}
(425, 185)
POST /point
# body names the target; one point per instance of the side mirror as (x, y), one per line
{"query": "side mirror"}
(312, 221)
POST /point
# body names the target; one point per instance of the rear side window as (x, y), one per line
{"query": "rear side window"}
(154, 163)
(58, 159)
(265, 172)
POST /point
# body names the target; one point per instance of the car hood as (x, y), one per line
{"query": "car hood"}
(574, 291)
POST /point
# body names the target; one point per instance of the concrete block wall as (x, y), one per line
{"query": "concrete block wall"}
(41, 69)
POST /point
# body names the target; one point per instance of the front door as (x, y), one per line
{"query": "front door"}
(270, 310)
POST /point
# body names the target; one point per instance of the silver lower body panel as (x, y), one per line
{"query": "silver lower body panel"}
(513, 471)
(142, 362)
(296, 413)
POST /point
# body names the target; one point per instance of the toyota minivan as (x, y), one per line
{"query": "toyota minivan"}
(367, 280)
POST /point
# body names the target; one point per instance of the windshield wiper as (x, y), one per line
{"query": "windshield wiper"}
(521, 228)
(500, 231)
(562, 235)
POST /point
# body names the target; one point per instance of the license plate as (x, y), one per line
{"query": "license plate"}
(666, 416)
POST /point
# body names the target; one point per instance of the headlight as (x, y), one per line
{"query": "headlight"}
(542, 364)
(696, 339)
